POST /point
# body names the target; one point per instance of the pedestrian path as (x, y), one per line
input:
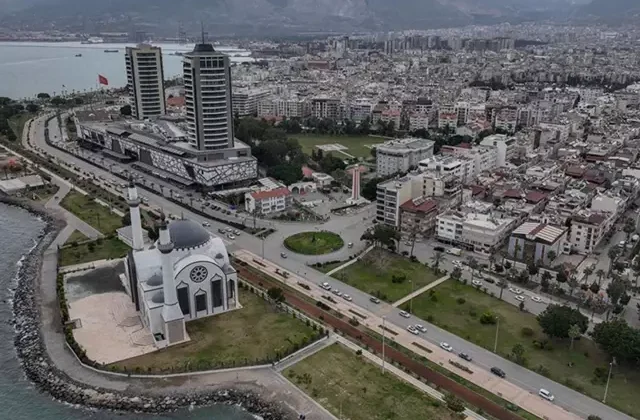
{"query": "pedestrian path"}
(420, 291)
(352, 261)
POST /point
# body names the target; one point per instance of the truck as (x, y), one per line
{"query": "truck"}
(454, 251)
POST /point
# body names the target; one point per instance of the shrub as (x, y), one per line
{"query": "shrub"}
(527, 331)
(359, 352)
(461, 301)
(460, 366)
(543, 370)
(429, 318)
(454, 403)
(488, 318)
(473, 313)
(434, 298)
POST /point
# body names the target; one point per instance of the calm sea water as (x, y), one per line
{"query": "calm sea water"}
(28, 68)
(18, 398)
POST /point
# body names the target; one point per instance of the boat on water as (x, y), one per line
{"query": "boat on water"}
(111, 51)
(178, 53)
(78, 55)
(93, 40)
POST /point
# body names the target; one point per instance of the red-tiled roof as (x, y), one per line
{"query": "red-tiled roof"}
(424, 207)
(512, 193)
(176, 101)
(307, 172)
(535, 196)
(477, 190)
(278, 192)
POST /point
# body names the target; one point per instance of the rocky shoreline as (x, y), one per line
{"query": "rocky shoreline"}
(43, 373)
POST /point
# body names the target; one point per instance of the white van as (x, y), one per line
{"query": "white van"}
(546, 394)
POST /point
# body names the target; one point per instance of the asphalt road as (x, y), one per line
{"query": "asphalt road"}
(351, 227)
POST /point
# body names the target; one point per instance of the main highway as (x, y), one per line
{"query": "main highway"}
(351, 227)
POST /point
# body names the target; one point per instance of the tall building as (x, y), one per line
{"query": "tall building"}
(207, 86)
(145, 78)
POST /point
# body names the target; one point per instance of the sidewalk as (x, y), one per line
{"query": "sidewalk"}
(481, 377)
(348, 263)
(420, 291)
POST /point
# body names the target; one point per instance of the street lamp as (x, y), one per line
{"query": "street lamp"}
(495, 345)
(384, 318)
(606, 388)
(411, 298)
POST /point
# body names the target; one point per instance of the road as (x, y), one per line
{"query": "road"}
(350, 227)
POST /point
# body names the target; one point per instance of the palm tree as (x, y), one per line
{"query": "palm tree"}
(473, 265)
(502, 285)
(546, 279)
(587, 272)
(492, 261)
(613, 254)
(551, 255)
(601, 274)
(456, 273)
(437, 257)
(516, 251)
(629, 228)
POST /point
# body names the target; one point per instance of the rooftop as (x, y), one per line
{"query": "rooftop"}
(540, 232)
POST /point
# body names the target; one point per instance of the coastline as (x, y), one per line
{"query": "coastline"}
(40, 370)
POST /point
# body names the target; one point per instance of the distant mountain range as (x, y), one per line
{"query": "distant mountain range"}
(294, 16)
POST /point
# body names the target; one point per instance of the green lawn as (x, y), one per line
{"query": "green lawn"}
(17, 123)
(357, 145)
(462, 319)
(250, 335)
(76, 236)
(374, 274)
(91, 212)
(102, 249)
(351, 388)
(314, 243)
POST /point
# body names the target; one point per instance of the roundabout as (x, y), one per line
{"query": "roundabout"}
(314, 243)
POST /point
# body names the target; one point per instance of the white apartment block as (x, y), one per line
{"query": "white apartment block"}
(462, 167)
(145, 80)
(587, 230)
(506, 147)
(447, 117)
(397, 156)
(390, 196)
(418, 121)
(391, 115)
(268, 201)
(506, 119)
(482, 233)
(245, 101)
(361, 109)
(330, 108)
(609, 202)
(284, 107)
(485, 158)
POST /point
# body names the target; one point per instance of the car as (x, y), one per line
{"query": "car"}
(512, 289)
(464, 356)
(350, 245)
(421, 328)
(498, 372)
(336, 292)
(438, 248)
(325, 285)
(412, 330)
(374, 300)
(206, 224)
(221, 230)
(489, 280)
(236, 232)
(518, 291)
(537, 299)
(476, 283)
(408, 243)
(347, 297)
(283, 255)
(446, 346)
(230, 236)
(457, 263)
(520, 298)
(546, 394)
(229, 230)
(405, 314)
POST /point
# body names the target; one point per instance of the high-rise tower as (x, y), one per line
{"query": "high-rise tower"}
(207, 85)
(171, 312)
(145, 77)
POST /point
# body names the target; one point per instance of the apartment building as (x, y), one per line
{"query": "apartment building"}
(398, 156)
(284, 107)
(418, 121)
(532, 241)
(482, 233)
(418, 217)
(391, 115)
(447, 117)
(145, 81)
(323, 107)
(361, 109)
(506, 119)
(587, 230)
(485, 158)
(462, 168)
(390, 196)
(268, 201)
(245, 101)
(506, 147)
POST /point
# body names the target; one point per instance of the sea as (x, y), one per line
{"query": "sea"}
(19, 399)
(29, 68)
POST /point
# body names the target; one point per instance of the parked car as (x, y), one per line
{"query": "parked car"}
(336, 292)
(438, 248)
(374, 300)
(412, 330)
(520, 298)
(347, 297)
(489, 280)
(283, 254)
(546, 394)
(476, 283)
(405, 314)
(206, 224)
(325, 285)
(421, 328)
(465, 356)
(498, 372)
(446, 346)
(230, 236)
(537, 299)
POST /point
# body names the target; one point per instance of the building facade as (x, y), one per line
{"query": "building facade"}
(145, 79)
(269, 201)
(398, 156)
(478, 232)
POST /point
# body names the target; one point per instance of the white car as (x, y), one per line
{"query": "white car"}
(421, 328)
(446, 346)
(230, 236)
(518, 291)
(412, 330)
(513, 290)
(206, 224)
(536, 299)
(520, 298)
(336, 292)
(457, 263)
(405, 314)
(546, 394)
(476, 283)
(347, 297)
(326, 286)
(236, 232)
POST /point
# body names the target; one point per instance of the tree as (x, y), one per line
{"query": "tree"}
(437, 257)
(561, 278)
(594, 288)
(456, 273)
(600, 274)
(636, 270)
(629, 228)
(587, 272)
(551, 255)
(32, 108)
(533, 269)
(276, 294)
(517, 354)
(473, 265)
(502, 285)
(454, 403)
(382, 236)
(125, 110)
(546, 280)
(43, 95)
(574, 332)
(615, 290)
(556, 321)
(619, 340)
(521, 306)
(613, 253)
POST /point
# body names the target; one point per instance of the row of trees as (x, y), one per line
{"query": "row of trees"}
(10, 109)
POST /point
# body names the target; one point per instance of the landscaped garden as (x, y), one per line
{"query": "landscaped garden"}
(352, 388)
(475, 316)
(356, 145)
(258, 333)
(100, 249)
(91, 212)
(386, 275)
(314, 243)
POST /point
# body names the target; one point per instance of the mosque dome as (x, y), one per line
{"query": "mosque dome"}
(158, 297)
(187, 234)
(155, 280)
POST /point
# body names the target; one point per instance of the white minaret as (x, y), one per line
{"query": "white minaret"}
(355, 184)
(134, 212)
(171, 312)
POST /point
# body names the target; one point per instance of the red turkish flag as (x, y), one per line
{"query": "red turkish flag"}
(103, 80)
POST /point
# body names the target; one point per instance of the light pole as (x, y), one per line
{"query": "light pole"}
(606, 388)
(383, 338)
(411, 298)
(495, 345)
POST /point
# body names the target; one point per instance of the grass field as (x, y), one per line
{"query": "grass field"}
(351, 388)
(91, 212)
(17, 123)
(76, 236)
(462, 319)
(250, 335)
(375, 272)
(314, 243)
(357, 145)
(102, 249)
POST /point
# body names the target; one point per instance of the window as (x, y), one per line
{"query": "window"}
(216, 293)
(183, 300)
(231, 289)
(201, 302)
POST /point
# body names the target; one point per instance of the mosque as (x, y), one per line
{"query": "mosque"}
(185, 275)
